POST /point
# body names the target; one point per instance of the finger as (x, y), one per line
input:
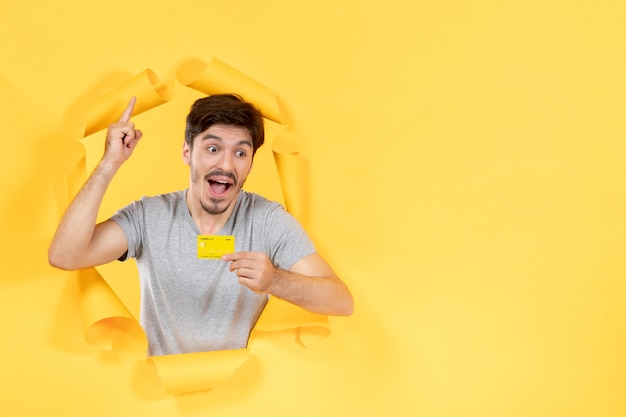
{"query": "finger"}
(132, 143)
(251, 284)
(128, 133)
(244, 278)
(129, 110)
(247, 273)
(243, 263)
(138, 134)
(234, 256)
(246, 282)
(235, 265)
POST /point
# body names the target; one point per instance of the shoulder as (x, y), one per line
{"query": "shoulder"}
(155, 205)
(172, 199)
(255, 209)
(258, 203)
(262, 211)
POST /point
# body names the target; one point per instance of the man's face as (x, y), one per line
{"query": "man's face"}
(219, 162)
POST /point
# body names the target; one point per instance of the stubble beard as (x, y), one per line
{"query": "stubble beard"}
(214, 210)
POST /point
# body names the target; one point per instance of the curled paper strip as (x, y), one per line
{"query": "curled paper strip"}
(146, 86)
(191, 372)
(290, 166)
(280, 315)
(105, 317)
(217, 77)
(108, 323)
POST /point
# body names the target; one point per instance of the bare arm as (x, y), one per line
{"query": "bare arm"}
(310, 283)
(79, 242)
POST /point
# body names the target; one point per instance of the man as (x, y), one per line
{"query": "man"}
(189, 303)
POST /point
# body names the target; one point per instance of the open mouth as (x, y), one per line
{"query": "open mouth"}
(220, 187)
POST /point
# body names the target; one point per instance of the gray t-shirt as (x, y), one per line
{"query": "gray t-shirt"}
(190, 304)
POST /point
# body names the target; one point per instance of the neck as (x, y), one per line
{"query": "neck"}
(207, 223)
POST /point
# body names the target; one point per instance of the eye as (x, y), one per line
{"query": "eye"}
(212, 148)
(240, 154)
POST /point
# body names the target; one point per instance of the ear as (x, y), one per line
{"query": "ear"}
(186, 153)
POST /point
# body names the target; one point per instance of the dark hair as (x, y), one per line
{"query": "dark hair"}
(226, 109)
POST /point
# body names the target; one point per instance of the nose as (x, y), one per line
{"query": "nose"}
(226, 162)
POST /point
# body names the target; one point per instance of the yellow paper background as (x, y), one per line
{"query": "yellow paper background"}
(465, 176)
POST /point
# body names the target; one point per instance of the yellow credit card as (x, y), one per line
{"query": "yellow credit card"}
(213, 247)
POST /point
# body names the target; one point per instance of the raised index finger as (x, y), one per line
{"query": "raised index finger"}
(129, 110)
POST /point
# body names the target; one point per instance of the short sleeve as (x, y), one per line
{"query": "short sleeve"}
(129, 219)
(287, 240)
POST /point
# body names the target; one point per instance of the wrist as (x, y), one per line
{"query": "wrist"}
(278, 281)
(106, 168)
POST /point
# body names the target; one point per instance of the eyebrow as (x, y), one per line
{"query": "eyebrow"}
(212, 136)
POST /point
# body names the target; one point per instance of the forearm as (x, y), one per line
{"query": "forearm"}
(76, 228)
(79, 242)
(322, 295)
(310, 283)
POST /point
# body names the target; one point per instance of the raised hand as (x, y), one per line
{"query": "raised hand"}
(122, 137)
